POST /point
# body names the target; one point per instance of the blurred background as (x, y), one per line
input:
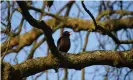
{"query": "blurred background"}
(20, 41)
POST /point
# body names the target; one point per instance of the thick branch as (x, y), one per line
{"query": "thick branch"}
(21, 40)
(76, 61)
(40, 25)
(74, 23)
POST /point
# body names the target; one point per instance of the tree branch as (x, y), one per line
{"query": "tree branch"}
(74, 23)
(40, 25)
(21, 40)
(99, 27)
(117, 59)
(107, 12)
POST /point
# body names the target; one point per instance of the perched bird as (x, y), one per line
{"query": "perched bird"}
(63, 44)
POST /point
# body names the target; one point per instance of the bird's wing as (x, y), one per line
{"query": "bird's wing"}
(58, 43)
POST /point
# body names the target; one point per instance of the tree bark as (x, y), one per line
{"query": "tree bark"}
(117, 59)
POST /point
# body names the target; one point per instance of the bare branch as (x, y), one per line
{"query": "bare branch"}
(75, 61)
(109, 33)
(76, 24)
(107, 12)
(40, 25)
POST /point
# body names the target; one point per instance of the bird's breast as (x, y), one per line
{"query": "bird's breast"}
(65, 45)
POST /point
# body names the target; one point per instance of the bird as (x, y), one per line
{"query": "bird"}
(63, 43)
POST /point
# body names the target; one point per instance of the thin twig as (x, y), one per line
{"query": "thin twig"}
(100, 27)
